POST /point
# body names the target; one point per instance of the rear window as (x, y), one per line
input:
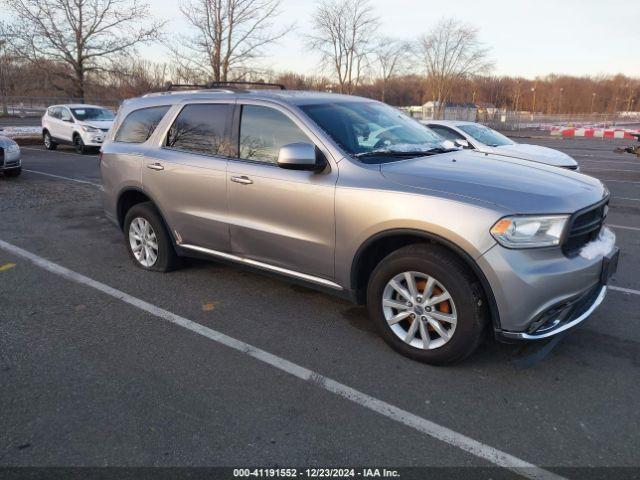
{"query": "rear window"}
(201, 128)
(140, 124)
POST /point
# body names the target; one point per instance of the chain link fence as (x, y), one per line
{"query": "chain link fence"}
(36, 106)
(508, 120)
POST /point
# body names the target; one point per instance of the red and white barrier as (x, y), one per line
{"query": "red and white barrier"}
(594, 132)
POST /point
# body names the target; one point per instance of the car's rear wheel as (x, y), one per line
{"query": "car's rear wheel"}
(49, 144)
(427, 304)
(14, 172)
(148, 240)
(78, 145)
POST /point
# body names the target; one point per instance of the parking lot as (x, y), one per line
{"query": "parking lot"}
(214, 365)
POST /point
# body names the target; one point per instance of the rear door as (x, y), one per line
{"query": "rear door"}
(186, 174)
(284, 218)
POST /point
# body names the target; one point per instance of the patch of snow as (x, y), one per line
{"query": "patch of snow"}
(600, 246)
(12, 132)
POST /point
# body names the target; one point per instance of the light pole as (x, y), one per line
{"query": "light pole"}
(3, 90)
(593, 101)
(560, 100)
(533, 100)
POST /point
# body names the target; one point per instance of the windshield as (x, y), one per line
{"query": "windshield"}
(374, 132)
(485, 135)
(83, 114)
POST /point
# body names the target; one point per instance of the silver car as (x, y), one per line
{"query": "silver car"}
(440, 243)
(10, 164)
(486, 140)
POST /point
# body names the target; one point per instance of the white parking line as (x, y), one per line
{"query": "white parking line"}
(624, 290)
(626, 198)
(618, 181)
(613, 170)
(444, 434)
(44, 150)
(623, 227)
(610, 161)
(63, 178)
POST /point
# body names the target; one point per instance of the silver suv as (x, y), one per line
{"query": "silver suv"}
(441, 243)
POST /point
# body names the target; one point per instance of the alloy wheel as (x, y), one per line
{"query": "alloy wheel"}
(419, 310)
(143, 241)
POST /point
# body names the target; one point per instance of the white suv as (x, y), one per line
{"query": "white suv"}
(83, 126)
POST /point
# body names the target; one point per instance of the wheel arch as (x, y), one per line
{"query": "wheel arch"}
(375, 248)
(130, 196)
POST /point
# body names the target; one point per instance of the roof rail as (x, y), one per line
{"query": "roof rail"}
(240, 84)
(213, 85)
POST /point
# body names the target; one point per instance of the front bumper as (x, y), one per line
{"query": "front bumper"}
(563, 317)
(542, 292)
(93, 139)
(9, 159)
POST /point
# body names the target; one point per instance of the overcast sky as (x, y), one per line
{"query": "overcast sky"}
(526, 37)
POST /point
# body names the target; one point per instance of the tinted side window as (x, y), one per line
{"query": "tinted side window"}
(54, 112)
(201, 128)
(140, 124)
(263, 131)
(65, 114)
(446, 132)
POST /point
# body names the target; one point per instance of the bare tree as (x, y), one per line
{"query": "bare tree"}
(3, 69)
(391, 55)
(343, 33)
(451, 52)
(84, 35)
(227, 34)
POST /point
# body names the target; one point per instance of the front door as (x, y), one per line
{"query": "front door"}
(65, 125)
(284, 218)
(187, 176)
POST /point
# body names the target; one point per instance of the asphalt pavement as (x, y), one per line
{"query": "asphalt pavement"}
(89, 377)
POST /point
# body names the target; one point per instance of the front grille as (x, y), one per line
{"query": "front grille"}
(584, 226)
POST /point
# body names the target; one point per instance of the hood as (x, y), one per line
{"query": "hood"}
(101, 124)
(6, 141)
(535, 153)
(519, 186)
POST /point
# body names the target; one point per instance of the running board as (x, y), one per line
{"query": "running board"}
(264, 266)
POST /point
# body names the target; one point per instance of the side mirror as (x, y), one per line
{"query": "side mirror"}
(300, 156)
(461, 142)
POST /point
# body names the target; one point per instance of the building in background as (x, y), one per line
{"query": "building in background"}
(451, 111)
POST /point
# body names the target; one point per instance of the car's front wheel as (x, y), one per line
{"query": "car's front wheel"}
(79, 146)
(427, 304)
(148, 240)
(49, 144)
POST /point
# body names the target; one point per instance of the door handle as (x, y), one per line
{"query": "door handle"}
(155, 166)
(243, 180)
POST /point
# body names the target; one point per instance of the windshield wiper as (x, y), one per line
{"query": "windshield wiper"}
(400, 153)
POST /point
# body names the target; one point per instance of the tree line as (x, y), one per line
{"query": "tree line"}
(90, 49)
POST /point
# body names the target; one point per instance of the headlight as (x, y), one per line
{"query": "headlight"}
(529, 231)
(89, 128)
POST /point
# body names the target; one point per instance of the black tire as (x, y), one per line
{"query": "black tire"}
(49, 144)
(14, 172)
(167, 258)
(460, 282)
(78, 145)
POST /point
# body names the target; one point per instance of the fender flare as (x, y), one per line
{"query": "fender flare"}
(461, 253)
